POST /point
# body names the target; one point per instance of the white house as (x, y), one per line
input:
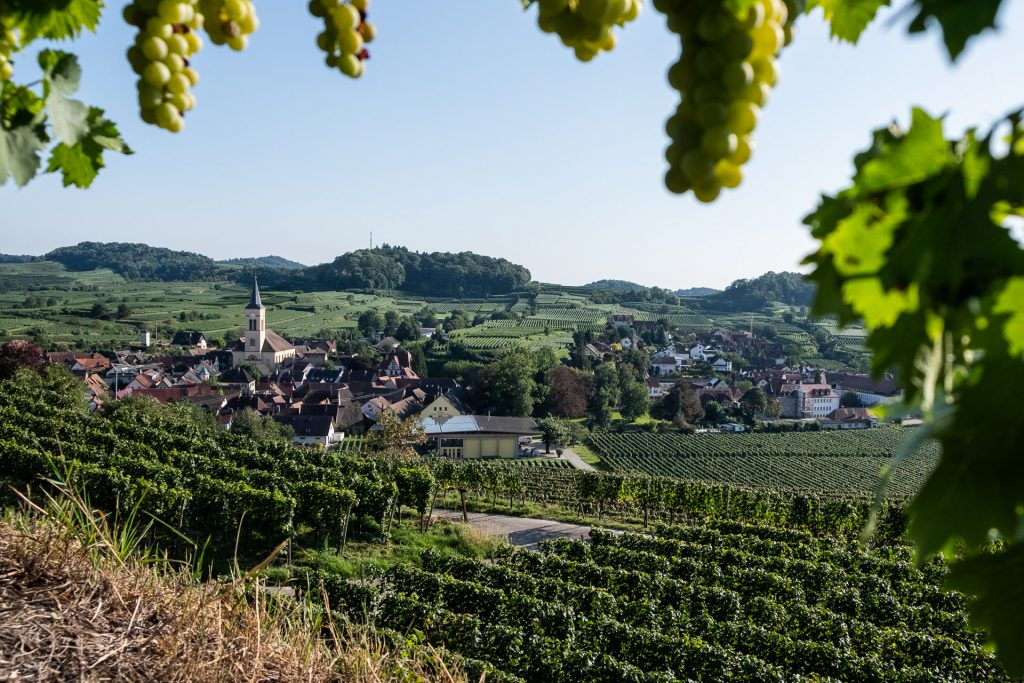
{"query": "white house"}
(656, 389)
(720, 364)
(807, 400)
(314, 430)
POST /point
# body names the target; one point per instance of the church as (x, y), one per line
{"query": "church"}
(261, 347)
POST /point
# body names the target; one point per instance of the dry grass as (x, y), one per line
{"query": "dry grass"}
(68, 612)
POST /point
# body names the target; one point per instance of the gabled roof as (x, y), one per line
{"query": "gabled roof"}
(309, 425)
(885, 386)
(274, 342)
(851, 415)
(459, 398)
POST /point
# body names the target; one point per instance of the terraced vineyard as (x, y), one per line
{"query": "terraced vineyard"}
(826, 462)
(716, 601)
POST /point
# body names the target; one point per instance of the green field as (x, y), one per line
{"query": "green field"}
(45, 301)
(833, 462)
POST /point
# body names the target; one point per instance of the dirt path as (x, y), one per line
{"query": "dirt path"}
(525, 532)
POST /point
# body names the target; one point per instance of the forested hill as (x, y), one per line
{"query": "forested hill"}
(15, 258)
(748, 295)
(264, 262)
(136, 261)
(697, 291)
(616, 284)
(462, 274)
(443, 274)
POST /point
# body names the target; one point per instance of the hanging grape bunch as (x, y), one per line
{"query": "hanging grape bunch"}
(166, 41)
(8, 46)
(586, 25)
(724, 76)
(229, 22)
(345, 35)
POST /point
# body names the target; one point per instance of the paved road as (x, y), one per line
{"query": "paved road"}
(521, 531)
(567, 454)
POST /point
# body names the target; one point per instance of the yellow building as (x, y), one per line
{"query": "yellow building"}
(450, 404)
(477, 436)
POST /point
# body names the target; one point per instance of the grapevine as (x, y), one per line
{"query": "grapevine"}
(164, 45)
(586, 26)
(724, 76)
(716, 600)
(345, 35)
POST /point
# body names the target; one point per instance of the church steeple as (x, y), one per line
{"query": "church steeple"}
(254, 301)
(256, 322)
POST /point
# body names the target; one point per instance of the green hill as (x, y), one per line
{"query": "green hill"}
(615, 284)
(263, 262)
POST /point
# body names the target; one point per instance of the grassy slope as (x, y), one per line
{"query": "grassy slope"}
(78, 607)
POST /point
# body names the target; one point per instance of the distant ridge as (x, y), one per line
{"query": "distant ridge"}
(16, 258)
(697, 291)
(264, 262)
(625, 285)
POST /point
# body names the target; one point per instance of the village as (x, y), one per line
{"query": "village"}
(325, 396)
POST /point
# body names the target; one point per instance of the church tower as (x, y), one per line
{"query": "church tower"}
(255, 322)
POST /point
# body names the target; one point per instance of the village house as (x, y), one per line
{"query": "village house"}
(849, 418)
(720, 364)
(312, 430)
(807, 400)
(455, 402)
(192, 338)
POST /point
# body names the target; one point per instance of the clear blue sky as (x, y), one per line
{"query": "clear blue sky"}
(471, 130)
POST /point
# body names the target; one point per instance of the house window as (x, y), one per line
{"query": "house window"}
(252, 343)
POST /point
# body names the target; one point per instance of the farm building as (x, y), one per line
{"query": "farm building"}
(477, 436)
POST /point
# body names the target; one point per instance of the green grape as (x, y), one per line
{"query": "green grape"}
(154, 49)
(586, 26)
(165, 42)
(9, 39)
(726, 71)
(345, 35)
(229, 22)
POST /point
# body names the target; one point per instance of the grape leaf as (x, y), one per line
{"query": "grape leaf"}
(80, 163)
(19, 153)
(1011, 301)
(848, 18)
(959, 20)
(860, 241)
(979, 482)
(61, 74)
(55, 19)
(922, 152)
(941, 290)
(997, 603)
